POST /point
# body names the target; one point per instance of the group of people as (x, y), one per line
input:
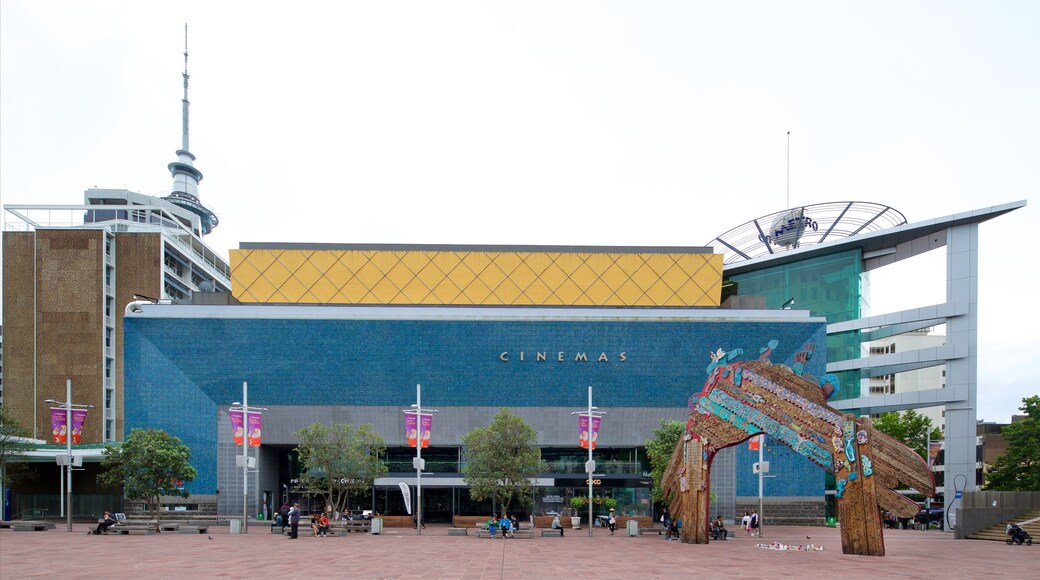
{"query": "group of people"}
(507, 524)
(750, 523)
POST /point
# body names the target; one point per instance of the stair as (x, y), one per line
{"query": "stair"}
(996, 533)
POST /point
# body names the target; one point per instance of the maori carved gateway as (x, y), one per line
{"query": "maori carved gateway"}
(744, 399)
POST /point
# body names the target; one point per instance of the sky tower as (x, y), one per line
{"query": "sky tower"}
(186, 177)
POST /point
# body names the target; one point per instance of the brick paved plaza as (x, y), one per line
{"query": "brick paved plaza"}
(401, 554)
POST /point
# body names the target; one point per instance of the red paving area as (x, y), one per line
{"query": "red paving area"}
(401, 554)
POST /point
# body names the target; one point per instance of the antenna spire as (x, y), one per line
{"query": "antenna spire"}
(184, 101)
(186, 177)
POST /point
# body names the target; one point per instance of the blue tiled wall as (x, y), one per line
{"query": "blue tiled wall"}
(178, 370)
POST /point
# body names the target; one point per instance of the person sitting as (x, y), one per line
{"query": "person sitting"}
(107, 522)
(556, 524)
(718, 529)
(673, 530)
(507, 527)
(314, 524)
(323, 525)
(492, 526)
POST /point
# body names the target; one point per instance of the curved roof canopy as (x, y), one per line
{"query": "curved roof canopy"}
(804, 226)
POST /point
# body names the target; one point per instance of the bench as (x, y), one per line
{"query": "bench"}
(29, 526)
(344, 527)
(169, 527)
(458, 532)
(552, 532)
(526, 534)
(193, 528)
(128, 528)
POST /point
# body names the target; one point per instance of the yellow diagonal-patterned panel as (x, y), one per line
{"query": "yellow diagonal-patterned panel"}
(477, 276)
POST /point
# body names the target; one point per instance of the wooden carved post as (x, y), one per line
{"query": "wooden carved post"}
(857, 491)
(693, 484)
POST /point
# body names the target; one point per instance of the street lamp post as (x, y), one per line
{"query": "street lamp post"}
(590, 465)
(245, 452)
(67, 404)
(418, 454)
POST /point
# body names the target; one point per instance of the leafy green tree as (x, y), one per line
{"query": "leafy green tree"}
(148, 464)
(910, 427)
(501, 459)
(14, 441)
(340, 460)
(659, 449)
(1018, 469)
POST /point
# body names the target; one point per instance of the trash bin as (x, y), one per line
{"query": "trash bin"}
(633, 527)
(236, 526)
(377, 525)
(832, 522)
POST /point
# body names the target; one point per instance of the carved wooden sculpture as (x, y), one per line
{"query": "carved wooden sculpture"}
(741, 400)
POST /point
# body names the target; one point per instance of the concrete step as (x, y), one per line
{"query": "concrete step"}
(996, 533)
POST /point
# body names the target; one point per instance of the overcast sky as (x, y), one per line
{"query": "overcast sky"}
(564, 123)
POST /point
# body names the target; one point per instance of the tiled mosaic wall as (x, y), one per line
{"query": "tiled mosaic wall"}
(179, 370)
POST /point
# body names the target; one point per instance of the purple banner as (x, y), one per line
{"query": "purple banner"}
(237, 428)
(426, 422)
(255, 422)
(585, 434)
(78, 417)
(58, 427)
(417, 428)
(411, 428)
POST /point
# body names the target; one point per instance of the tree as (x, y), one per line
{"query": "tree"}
(1018, 468)
(659, 451)
(910, 427)
(148, 464)
(339, 461)
(501, 459)
(14, 441)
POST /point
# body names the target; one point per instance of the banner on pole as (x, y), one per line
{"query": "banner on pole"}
(588, 431)
(78, 417)
(425, 424)
(58, 427)
(411, 429)
(254, 424)
(237, 427)
(417, 428)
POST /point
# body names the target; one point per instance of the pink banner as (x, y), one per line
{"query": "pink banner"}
(58, 427)
(417, 428)
(411, 428)
(255, 422)
(78, 417)
(237, 428)
(585, 434)
(425, 422)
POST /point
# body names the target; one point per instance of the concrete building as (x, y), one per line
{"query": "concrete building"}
(927, 378)
(68, 273)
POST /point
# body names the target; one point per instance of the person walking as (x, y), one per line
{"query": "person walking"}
(294, 521)
(754, 522)
(745, 523)
(612, 522)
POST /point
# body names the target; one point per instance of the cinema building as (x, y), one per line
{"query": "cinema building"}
(345, 333)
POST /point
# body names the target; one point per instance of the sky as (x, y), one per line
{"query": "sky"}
(550, 123)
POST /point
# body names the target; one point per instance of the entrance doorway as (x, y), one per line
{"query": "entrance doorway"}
(437, 504)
